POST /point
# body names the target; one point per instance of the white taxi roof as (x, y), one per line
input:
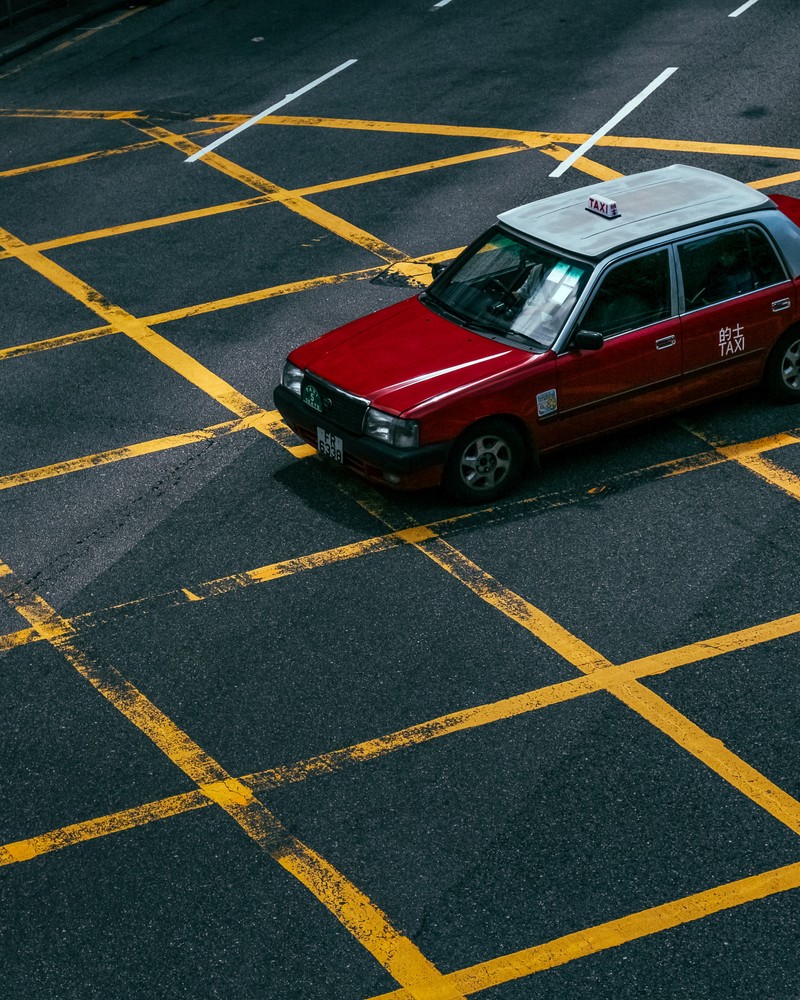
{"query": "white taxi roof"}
(650, 204)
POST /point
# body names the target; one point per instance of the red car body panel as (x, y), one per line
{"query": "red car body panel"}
(406, 354)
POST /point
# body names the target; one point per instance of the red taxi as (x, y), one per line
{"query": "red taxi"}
(575, 315)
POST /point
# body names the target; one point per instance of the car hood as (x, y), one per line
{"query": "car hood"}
(404, 355)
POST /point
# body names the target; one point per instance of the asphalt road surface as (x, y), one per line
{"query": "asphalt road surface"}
(269, 733)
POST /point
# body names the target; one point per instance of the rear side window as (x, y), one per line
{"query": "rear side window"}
(725, 265)
(634, 294)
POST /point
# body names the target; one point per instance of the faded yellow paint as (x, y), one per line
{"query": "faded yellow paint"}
(769, 182)
(103, 826)
(526, 137)
(310, 211)
(587, 166)
(510, 604)
(138, 331)
(121, 454)
(52, 343)
(108, 116)
(357, 913)
(636, 696)
(69, 161)
(415, 735)
(750, 456)
(615, 933)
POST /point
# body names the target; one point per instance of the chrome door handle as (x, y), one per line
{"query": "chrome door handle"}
(780, 305)
(665, 342)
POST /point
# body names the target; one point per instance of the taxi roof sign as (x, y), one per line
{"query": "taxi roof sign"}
(602, 206)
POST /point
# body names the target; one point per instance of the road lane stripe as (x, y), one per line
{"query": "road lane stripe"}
(614, 933)
(100, 458)
(769, 182)
(411, 736)
(273, 107)
(379, 543)
(750, 456)
(109, 116)
(98, 154)
(650, 706)
(326, 220)
(69, 161)
(771, 473)
(512, 606)
(693, 146)
(198, 309)
(745, 6)
(138, 331)
(615, 120)
(527, 137)
(355, 911)
(589, 167)
(266, 199)
(530, 138)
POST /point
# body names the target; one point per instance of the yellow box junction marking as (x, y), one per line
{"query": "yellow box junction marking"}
(750, 457)
(358, 914)
(615, 933)
(235, 797)
(650, 706)
(310, 211)
(138, 331)
(121, 454)
(411, 736)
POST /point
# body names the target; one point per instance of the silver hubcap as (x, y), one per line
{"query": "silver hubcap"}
(485, 462)
(790, 368)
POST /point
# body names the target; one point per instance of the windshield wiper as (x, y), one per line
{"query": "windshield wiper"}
(497, 331)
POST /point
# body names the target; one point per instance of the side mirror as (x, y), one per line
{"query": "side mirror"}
(587, 340)
(439, 267)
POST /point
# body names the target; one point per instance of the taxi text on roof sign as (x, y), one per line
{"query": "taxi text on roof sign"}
(602, 206)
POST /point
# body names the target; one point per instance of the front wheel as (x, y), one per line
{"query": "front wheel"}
(782, 373)
(485, 462)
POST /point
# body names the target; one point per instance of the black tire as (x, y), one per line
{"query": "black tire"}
(485, 462)
(782, 372)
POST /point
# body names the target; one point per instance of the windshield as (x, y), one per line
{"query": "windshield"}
(513, 289)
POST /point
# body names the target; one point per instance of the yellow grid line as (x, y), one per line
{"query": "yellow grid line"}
(355, 911)
(266, 199)
(614, 933)
(273, 571)
(150, 447)
(586, 659)
(138, 331)
(308, 210)
(415, 735)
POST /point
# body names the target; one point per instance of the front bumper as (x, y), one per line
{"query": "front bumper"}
(403, 468)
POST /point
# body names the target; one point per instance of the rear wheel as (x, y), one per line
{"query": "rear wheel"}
(782, 374)
(485, 462)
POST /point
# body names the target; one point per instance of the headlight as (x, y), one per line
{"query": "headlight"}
(292, 378)
(392, 430)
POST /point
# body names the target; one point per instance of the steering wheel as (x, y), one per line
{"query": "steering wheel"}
(497, 288)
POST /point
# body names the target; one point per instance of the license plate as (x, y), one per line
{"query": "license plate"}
(330, 445)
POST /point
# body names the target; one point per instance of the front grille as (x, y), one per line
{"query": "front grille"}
(340, 407)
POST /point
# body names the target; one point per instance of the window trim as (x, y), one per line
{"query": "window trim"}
(697, 237)
(600, 277)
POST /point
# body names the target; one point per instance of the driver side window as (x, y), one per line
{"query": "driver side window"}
(633, 294)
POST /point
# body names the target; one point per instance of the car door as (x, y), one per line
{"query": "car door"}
(636, 372)
(737, 300)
